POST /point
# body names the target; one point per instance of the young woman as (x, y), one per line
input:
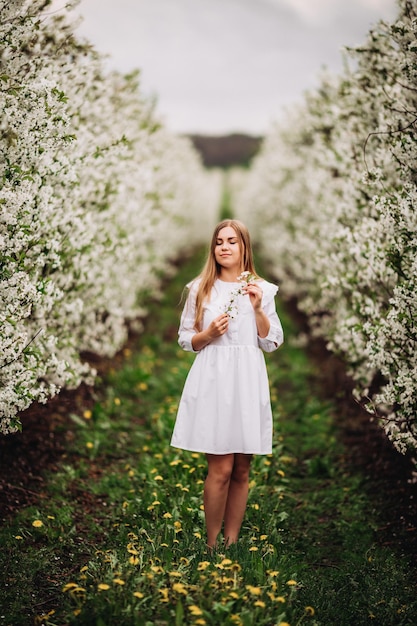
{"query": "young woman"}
(225, 408)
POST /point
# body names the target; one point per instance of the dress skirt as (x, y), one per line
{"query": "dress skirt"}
(225, 406)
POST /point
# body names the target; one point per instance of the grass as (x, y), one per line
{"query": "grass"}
(118, 536)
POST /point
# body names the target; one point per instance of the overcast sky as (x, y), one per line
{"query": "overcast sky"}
(220, 66)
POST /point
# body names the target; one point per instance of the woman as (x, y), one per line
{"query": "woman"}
(225, 409)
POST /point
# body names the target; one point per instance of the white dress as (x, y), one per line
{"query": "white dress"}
(225, 405)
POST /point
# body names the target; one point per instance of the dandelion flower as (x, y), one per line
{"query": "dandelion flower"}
(291, 583)
(138, 594)
(309, 610)
(37, 523)
(89, 445)
(195, 610)
(118, 581)
(87, 415)
(103, 587)
(255, 591)
(203, 565)
(179, 588)
(167, 516)
(253, 549)
(260, 603)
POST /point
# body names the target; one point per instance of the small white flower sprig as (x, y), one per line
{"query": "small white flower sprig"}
(231, 308)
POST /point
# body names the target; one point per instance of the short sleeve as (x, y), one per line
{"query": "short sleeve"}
(275, 336)
(186, 330)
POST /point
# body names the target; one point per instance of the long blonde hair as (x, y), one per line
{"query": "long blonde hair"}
(211, 269)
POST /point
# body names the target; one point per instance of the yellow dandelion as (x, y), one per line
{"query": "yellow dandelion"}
(226, 562)
(117, 401)
(281, 473)
(167, 516)
(177, 526)
(273, 573)
(234, 595)
(284, 624)
(118, 581)
(103, 587)
(180, 588)
(197, 534)
(253, 549)
(260, 604)
(281, 599)
(309, 610)
(203, 565)
(87, 415)
(195, 610)
(235, 567)
(37, 523)
(18, 537)
(200, 621)
(69, 586)
(164, 591)
(159, 478)
(291, 583)
(255, 506)
(84, 569)
(255, 591)
(143, 386)
(89, 445)
(138, 594)
(133, 560)
(175, 462)
(263, 537)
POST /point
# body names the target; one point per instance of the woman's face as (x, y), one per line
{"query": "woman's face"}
(227, 250)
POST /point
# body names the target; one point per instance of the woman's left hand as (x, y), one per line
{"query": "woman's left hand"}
(255, 294)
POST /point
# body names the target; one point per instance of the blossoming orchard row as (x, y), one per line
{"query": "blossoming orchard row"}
(96, 198)
(332, 197)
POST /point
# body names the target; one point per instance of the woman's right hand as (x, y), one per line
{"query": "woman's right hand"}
(216, 328)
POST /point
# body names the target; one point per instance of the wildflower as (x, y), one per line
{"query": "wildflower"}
(87, 415)
(260, 604)
(89, 445)
(309, 610)
(255, 591)
(164, 591)
(103, 587)
(179, 588)
(253, 549)
(117, 401)
(167, 515)
(18, 537)
(177, 526)
(143, 386)
(195, 610)
(37, 523)
(291, 583)
(118, 581)
(133, 560)
(197, 534)
(203, 565)
(138, 594)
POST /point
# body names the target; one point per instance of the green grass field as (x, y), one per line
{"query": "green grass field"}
(117, 537)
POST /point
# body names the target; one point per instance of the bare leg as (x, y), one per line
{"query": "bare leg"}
(237, 498)
(216, 489)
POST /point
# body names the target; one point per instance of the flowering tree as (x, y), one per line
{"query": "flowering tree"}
(332, 197)
(96, 199)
